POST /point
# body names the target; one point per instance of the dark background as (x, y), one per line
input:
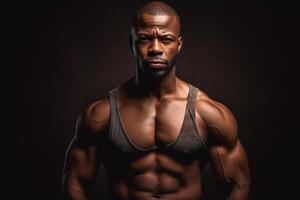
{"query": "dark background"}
(66, 54)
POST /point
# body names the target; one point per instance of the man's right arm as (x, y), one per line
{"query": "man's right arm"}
(82, 157)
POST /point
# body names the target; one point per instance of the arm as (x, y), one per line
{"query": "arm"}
(82, 159)
(227, 155)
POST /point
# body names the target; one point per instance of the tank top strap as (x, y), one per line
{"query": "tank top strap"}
(113, 101)
(191, 105)
(113, 121)
(192, 99)
(112, 95)
(116, 133)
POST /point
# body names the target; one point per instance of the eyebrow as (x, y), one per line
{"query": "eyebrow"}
(159, 35)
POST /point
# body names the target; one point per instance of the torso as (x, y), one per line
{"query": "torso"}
(159, 150)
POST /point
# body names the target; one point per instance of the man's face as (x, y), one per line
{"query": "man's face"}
(155, 43)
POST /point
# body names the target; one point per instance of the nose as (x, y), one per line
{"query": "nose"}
(155, 47)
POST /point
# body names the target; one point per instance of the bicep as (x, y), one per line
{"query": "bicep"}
(79, 170)
(82, 154)
(82, 162)
(227, 155)
(230, 164)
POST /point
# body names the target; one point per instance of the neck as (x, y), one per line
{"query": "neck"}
(156, 87)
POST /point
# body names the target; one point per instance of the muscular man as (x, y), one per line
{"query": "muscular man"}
(154, 133)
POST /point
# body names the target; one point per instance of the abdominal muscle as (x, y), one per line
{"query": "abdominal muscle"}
(157, 176)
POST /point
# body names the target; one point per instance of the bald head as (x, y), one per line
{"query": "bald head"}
(156, 8)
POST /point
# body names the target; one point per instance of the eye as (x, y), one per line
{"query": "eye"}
(167, 40)
(143, 39)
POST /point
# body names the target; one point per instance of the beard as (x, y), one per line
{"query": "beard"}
(157, 72)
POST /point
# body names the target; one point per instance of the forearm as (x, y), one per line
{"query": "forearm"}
(240, 192)
(73, 189)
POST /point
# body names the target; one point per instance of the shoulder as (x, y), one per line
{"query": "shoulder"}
(95, 117)
(218, 118)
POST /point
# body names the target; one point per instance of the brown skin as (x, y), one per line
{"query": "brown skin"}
(147, 105)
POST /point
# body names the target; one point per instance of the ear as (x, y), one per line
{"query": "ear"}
(180, 42)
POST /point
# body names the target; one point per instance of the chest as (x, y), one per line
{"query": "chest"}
(151, 123)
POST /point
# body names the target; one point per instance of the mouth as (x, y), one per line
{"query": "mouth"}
(157, 64)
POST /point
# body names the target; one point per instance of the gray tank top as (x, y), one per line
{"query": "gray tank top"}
(187, 145)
